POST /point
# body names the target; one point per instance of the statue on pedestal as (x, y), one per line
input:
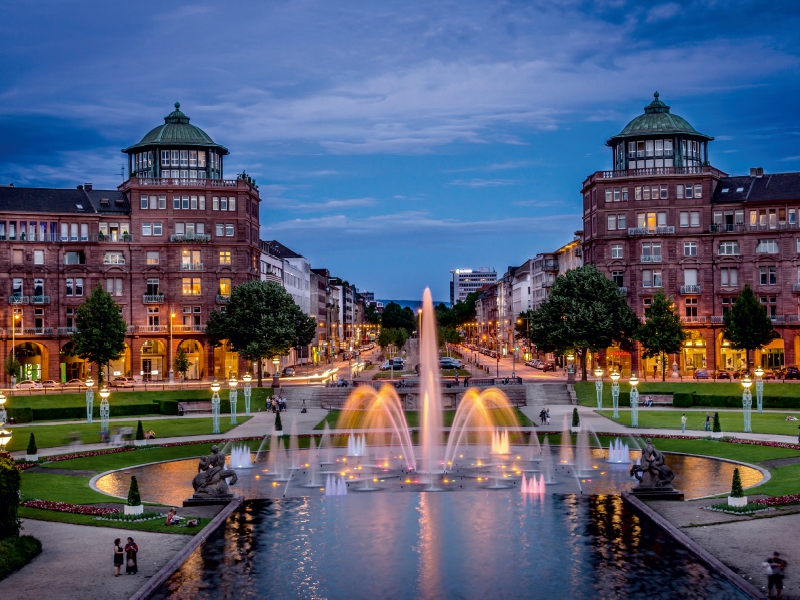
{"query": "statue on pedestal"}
(210, 484)
(653, 474)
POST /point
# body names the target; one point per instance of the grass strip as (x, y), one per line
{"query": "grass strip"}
(16, 552)
(730, 421)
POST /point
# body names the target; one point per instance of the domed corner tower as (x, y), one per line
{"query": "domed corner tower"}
(658, 139)
(176, 150)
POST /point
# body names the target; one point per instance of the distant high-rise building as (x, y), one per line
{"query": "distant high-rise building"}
(469, 280)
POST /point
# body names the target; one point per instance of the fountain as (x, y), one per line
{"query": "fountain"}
(565, 455)
(357, 445)
(619, 453)
(431, 419)
(335, 486)
(533, 485)
(240, 457)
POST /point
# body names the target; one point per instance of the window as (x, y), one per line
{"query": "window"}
(152, 287)
(698, 191)
(612, 222)
(152, 316)
(147, 229)
(637, 192)
(74, 258)
(664, 194)
(215, 202)
(157, 229)
(729, 248)
(193, 202)
(152, 258)
(647, 278)
(70, 287)
(232, 203)
(223, 203)
(219, 230)
(767, 247)
(617, 194)
(624, 196)
(729, 276)
(184, 158)
(228, 229)
(651, 252)
(19, 257)
(225, 287)
(70, 318)
(180, 229)
(114, 286)
(143, 204)
(690, 306)
(16, 287)
(694, 218)
(690, 248)
(185, 202)
(768, 276)
(689, 191)
(176, 202)
(162, 202)
(191, 315)
(113, 258)
(225, 256)
(690, 277)
(683, 220)
(202, 202)
(191, 286)
(621, 221)
(190, 257)
(73, 232)
(616, 252)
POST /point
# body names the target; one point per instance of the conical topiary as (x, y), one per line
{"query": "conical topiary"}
(139, 432)
(717, 428)
(32, 449)
(576, 420)
(736, 485)
(278, 424)
(134, 499)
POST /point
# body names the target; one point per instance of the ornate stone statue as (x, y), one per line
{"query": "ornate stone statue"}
(654, 476)
(210, 484)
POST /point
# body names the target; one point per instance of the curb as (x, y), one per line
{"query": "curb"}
(737, 580)
(176, 561)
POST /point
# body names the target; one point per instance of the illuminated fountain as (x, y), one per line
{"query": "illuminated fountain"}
(619, 453)
(240, 457)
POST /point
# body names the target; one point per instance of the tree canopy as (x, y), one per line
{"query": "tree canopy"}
(371, 314)
(261, 321)
(584, 311)
(662, 332)
(459, 313)
(100, 330)
(392, 337)
(747, 325)
(396, 317)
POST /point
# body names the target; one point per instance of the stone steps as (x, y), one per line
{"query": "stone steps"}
(547, 394)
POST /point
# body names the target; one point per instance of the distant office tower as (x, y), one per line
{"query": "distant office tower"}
(469, 280)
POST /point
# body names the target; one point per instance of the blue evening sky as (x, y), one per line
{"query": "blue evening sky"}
(394, 141)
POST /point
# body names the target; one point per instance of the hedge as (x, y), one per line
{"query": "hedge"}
(79, 412)
(16, 552)
(684, 400)
(20, 415)
(169, 407)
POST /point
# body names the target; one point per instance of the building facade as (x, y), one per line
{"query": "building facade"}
(466, 281)
(665, 219)
(169, 245)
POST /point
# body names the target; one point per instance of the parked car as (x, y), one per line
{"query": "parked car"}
(386, 365)
(548, 367)
(398, 363)
(74, 383)
(723, 375)
(123, 382)
(768, 375)
(288, 372)
(792, 373)
(701, 373)
(49, 383)
(28, 384)
(447, 362)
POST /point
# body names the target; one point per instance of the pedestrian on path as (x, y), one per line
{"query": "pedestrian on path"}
(119, 555)
(774, 569)
(547, 414)
(708, 422)
(542, 416)
(683, 423)
(131, 562)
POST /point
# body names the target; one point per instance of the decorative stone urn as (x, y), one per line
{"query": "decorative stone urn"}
(134, 510)
(737, 501)
(32, 457)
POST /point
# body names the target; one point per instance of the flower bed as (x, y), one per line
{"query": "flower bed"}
(119, 517)
(750, 508)
(75, 509)
(87, 454)
(778, 500)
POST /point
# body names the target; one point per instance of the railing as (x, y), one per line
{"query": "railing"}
(651, 258)
(188, 328)
(153, 299)
(188, 182)
(778, 318)
(726, 228)
(550, 265)
(656, 171)
(691, 289)
(660, 230)
(547, 284)
(40, 299)
(623, 290)
(772, 226)
(65, 330)
(717, 319)
(120, 237)
(793, 318)
(38, 331)
(152, 328)
(796, 287)
(191, 266)
(694, 320)
(223, 299)
(190, 237)
(14, 299)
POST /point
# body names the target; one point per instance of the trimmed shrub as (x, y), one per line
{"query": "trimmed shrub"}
(16, 552)
(22, 415)
(167, 407)
(9, 498)
(278, 424)
(139, 434)
(736, 485)
(31, 450)
(735, 401)
(576, 420)
(134, 499)
(682, 399)
(716, 428)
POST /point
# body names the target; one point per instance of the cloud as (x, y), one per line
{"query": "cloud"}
(662, 12)
(483, 183)
(789, 158)
(539, 203)
(288, 204)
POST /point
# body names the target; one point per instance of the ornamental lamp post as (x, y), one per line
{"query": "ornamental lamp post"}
(570, 368)
(89, 399)
(276, 382)
(747, 403)
(105, 412)
(759, 372)
(247, 392)
(598, 386)
(3, 414)
(232, 397)
(5, 437)
(615, 393)
(215, 406)
(634, 381)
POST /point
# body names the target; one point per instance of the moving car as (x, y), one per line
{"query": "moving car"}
(547, 367)
(28, 384)
(701, 373)
(123, 382)
(74, 383)
(49, 384)
(288, 372)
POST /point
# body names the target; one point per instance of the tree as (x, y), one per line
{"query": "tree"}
(736, 485)
(396, 317)
(32, 450)
(385, 338)
(716, 427)
(134, 498)
(522, 328)
(139, 431)
(181, 362)
(100, 331)
(305, 328)
(261, 322)
(662, 332)
(12, 365)
(585, 311)
(9, 498)
(448, 335)
(278, 424)
(747, 326)
(576, 420)
(372, 315)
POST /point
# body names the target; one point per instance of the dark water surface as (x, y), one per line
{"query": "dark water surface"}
(476, 544)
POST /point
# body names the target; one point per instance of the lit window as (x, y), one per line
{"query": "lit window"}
(225, 287)
(224, 257)
(152, 258)
(190, 286)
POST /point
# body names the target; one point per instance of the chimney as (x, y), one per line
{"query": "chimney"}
(80, 187)
(756, 171)
(87, 187)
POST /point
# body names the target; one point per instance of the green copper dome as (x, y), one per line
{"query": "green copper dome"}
(657, 121)
(177, 131)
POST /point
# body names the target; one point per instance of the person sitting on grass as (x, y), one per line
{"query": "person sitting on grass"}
(172, 517)
(791, 418)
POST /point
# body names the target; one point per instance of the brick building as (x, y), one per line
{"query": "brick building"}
(169, 244)
(665, 218)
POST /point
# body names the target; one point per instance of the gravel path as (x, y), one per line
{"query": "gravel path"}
(77, 562)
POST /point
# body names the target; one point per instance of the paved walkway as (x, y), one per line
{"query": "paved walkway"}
(77, 562)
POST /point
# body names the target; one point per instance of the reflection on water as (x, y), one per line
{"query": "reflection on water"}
(484, 545)
(170, 483)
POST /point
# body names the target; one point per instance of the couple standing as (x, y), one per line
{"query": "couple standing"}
(544, 415)
(126, 555)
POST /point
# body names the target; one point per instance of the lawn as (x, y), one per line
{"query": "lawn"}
(412, 418)
(48, 436)
(156, 525)
(730, 421)
(397, 374)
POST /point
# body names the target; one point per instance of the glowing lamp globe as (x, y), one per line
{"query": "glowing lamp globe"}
(634, 380)
(89, 382)
(615, 376)
(215, 386)
(598, 372)
(2, 399)
(233, 382)
(759, 372)
(247, 378)
(104, 393)
(746, 382)
(5, 437)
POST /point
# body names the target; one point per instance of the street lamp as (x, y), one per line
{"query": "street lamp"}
(89, 399)
(634, 381)
(247, 391)
(615, 393)
(215, 407)
(171, 354)
(5, 437)
(3, 414)
(598, 386)
(747, 403)
(276, 382)
(105, 412)
(232, 397)
(759, 388)
(570, 368)
(13, 339)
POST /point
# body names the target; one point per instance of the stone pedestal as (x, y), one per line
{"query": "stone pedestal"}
(204, 500)
(647, 490)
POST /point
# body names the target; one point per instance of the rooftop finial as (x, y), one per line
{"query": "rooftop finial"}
(178, 104)
(654, 96)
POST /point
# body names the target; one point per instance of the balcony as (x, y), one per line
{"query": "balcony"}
(691, 289)
(623, 290)
(191, 266)
(153, 299)
(651, 258)
(550, 265)
(38, 331)
(660, 230)
(223, 299)
(796, 287)
(40, 299)
(65, 330)
(190, 238)
(717, 319)
(114, 237)
(547, 284)
(655, 171)
(231, 183)
(188, 329)
(726, 228)
(772, 226)
(693, 320)
(16, 299)
(152, 328)
(778, 319)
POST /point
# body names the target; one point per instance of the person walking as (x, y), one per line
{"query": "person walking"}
(708, 422)
(547, 415)
(775, 579)
(683, 423)
(541, 416)
(131, 562)
(119, 555)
